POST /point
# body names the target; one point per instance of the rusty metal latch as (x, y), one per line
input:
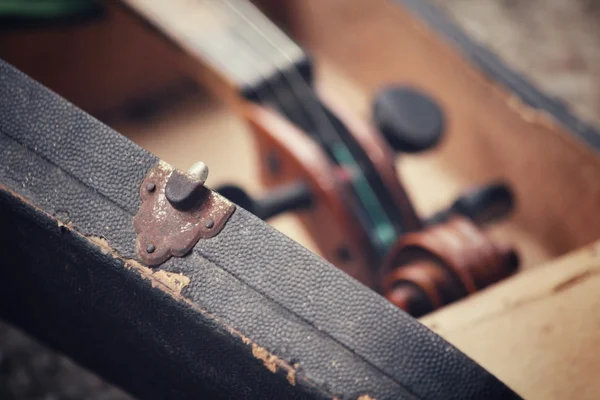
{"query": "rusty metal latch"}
(177, 211)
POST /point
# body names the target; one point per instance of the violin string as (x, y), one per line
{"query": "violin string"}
(267, 93)
(296, 81)
(297, 78)
(297, 84)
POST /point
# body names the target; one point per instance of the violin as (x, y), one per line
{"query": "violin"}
(335, 171)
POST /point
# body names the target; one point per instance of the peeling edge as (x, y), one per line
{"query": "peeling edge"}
(157, 280)
(268, 359)
(164, 283)
(173, 281)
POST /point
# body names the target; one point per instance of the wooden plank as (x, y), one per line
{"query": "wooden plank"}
(538, 331)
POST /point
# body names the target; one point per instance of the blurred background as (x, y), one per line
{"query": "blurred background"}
(554, 43)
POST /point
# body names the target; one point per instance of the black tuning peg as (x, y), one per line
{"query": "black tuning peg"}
(482, 205)
(289, 197)
(410, 120)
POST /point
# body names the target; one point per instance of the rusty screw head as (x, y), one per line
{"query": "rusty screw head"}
(151, 187)
(209, 224)
(150, 248)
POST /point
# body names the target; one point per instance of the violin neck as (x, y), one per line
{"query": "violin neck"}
(232, 37)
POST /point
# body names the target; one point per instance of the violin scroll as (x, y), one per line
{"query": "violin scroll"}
(450, 259)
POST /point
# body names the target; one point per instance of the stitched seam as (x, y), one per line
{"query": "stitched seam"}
(207, 257)
(310, 323)
(65, 171)
(317, 331)
(177, 297)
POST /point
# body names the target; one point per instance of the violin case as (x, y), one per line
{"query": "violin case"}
(250, 312)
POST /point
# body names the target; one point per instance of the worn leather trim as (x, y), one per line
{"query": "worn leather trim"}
(323, 333)
(118, 318)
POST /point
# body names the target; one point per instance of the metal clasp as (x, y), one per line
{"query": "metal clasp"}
(177, 211)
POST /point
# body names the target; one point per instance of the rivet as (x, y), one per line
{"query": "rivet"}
(209, 223)
(150, 248)
(151, 187)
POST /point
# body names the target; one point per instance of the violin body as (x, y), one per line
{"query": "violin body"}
(497, 127)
